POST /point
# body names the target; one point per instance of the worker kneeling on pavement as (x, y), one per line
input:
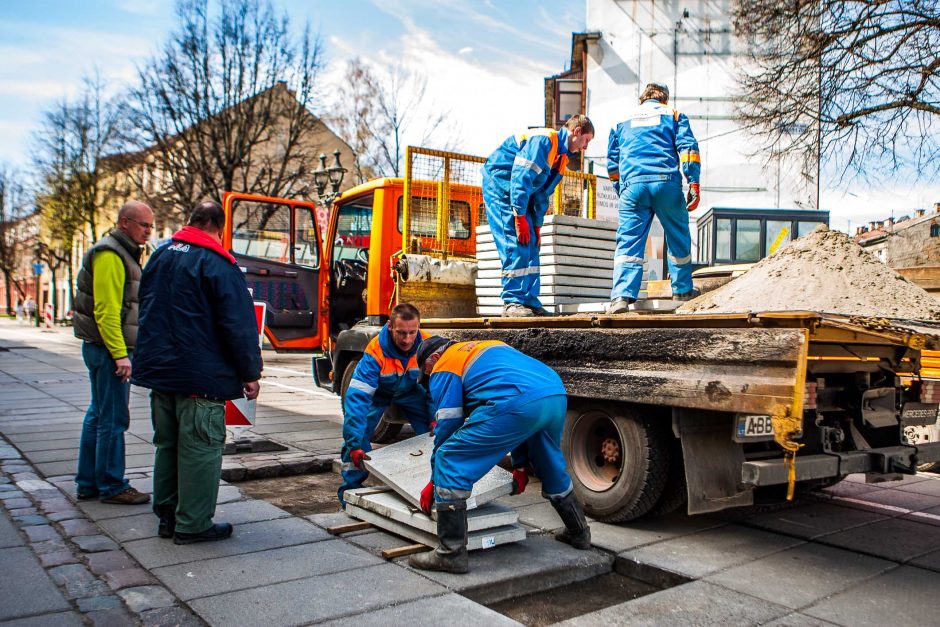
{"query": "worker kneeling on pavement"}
(386, 374)
(491, 399)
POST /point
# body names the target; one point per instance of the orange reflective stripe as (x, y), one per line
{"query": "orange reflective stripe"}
(675, 115)
(386, 365)
(552, 135)
(458, 357)
(687, 156)
(614, 176)
(562, 164)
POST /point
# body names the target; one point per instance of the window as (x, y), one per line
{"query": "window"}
(747, 240)
(567, 99)
(353, 229)
(935, 230)
(261, 230)
(305, 237)
(424, 218)
(777, 236)
(723, 239)
(805, 228)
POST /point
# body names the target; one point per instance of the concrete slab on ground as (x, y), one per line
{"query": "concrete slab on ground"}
(27, 589)
(893, 539)
(389, 504)
(444, 610)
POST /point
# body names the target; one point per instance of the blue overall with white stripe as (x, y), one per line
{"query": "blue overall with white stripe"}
(518, 179)
(644, 154)
(489, 399)
(383, 376)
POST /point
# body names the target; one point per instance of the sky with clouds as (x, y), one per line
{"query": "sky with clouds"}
(485, 61)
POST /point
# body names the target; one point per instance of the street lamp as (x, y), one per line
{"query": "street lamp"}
(332, 175)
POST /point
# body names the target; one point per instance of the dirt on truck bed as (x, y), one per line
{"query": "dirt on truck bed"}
(825, 272)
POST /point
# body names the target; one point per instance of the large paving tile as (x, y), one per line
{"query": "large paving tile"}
(9, 536)
(900, 597)
(446, 610)
(697, 555)
(801, 575)
(630, 535)
(812, 520)
(27, 589)
(929, 486)
(892, 539)
(261, 536)
(316, 599)
(58, 619)
(696, 603)
(239, 572)
(903, 499)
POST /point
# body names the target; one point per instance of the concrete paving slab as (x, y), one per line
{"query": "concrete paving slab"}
(893, 539)
(476, 540)
(538, 563)
(270, 534)
(796, 619)
(930, 486)
(61, 619)
(905, 499)
(240, 572)
(697, 555)
(696, 603)
(316, 599)
(813, 520)
(390, 505)
(542, 517)
(630, 535)
(802, 575)
(9, 536)
(406, 467)
(96, 510)
(443, 610)
(375, 541)
(893, 598)
(27, 589)
(930, 561)
(850, 488)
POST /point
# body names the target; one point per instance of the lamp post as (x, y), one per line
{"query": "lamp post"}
(37, 271)
(332, 175)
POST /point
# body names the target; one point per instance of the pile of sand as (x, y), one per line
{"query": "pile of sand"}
(825, 272)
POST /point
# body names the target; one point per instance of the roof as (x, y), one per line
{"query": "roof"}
(872, 236)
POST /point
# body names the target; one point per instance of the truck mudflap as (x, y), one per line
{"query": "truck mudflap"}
(902, 459)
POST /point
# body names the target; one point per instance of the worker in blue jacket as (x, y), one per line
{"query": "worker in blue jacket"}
(386, 374)
(518, 180)
(644, 156)
(490, 399)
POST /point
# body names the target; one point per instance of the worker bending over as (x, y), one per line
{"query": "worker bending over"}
(386, 374)
(518, 179)
(644, 155)
(489, 400)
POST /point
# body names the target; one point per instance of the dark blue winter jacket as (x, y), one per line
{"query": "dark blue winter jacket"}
(198, 333)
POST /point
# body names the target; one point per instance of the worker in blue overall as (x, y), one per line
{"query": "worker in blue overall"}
(518, 180)
(644, 156)
(490, 399)
(386, 374)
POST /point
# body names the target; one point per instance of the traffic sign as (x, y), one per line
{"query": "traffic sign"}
(240, 413)
(37, 269)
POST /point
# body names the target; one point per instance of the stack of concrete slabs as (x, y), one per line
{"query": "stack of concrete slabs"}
(488, 526)
(406, 468)
(576, 259)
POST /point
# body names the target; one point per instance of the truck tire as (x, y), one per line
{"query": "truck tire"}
(618, 458)
(385, 431)
(675, 492)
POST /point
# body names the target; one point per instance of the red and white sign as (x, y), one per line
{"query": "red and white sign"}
(240, 413)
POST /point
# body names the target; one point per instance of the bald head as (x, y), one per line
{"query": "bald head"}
(135, 219)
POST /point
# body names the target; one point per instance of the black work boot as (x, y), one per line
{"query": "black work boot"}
(451, 555)
(167, 516)
(218, 531)
(576, 533)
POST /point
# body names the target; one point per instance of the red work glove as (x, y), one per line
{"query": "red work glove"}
(692, 198)
(522, 229)
(427, 498)
(520, 479)
(538, 237)
(357, 455)
(432, 426)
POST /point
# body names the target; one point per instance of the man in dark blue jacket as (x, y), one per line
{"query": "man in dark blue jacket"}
(197, 348)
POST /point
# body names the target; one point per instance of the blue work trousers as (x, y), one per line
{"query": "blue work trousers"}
(639, 201)
(415, 407)
(490, 433)
(520, 275)
(101, 449)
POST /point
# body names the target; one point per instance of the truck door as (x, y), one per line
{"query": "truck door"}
(277, 244)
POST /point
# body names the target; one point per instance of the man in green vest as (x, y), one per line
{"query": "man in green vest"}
(105, 317)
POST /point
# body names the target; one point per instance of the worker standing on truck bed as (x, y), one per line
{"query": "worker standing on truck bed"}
(518, 179)
(386, 374)
(644, 154)
(489, 400)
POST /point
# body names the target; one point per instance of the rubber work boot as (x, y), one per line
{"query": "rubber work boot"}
(451, 555)
(515, 310)
(541, 311)
(620, 305)
(218, 531)
(685, 296)
(167, 515)
(576, 533)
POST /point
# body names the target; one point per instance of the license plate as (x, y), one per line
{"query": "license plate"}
(753, 427)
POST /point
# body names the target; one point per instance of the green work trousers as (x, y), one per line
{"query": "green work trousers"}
(189, 434)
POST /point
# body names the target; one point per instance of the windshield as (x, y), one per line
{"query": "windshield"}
(353, 229)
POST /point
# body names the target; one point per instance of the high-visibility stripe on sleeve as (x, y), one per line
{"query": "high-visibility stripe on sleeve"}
(362, 386)
(689, 156)
(520, 271)
(680, 261)
(449, 413)
(625, 259)
(525, 163)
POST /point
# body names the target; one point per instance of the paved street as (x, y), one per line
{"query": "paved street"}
(858, 554)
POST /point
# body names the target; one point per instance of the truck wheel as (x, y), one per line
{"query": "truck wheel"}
(385, 431)
(675, 493)
(619, 461)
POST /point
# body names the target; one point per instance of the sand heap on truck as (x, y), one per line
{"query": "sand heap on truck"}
(825, 272)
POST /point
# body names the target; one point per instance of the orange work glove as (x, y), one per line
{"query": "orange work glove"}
(692, 198)
(522, 229)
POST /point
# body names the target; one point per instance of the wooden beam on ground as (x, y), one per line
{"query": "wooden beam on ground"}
(402, 551)
(348, 527)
